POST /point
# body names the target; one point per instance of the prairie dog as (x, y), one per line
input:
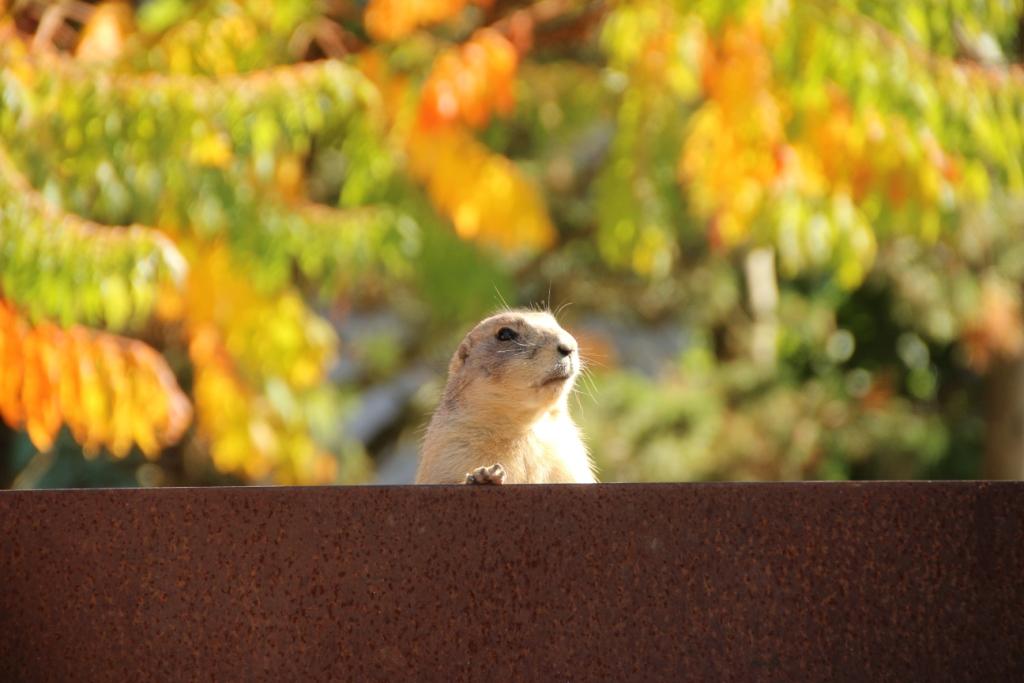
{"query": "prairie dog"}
(504, 415)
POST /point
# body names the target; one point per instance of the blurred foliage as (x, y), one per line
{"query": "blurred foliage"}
(110, 391)
(201, 203)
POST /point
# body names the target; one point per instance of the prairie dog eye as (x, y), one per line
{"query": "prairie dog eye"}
(506, 334)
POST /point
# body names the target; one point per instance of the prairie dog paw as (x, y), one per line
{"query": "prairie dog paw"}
(495, 474)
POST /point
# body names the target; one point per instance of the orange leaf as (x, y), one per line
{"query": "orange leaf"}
(394, 19)
(106, 32)
(110, 391)
(471, 82)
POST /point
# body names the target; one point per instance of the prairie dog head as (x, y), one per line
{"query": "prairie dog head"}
(513, 362)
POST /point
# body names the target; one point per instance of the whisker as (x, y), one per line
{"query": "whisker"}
(506, 308)
(584, 389)
(588, 378)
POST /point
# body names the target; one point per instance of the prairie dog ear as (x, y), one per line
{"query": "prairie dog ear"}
(459, 359)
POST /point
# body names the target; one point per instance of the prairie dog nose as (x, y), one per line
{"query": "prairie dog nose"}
(566, 347)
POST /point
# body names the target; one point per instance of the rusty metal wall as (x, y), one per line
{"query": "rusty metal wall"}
(708, 582)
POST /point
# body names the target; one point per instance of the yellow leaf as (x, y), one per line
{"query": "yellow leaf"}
(212, 150)
(485, 195)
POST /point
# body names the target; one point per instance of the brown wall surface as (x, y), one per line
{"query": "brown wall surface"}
(742, 582)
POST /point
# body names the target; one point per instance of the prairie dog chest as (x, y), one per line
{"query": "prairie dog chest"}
(553, 452)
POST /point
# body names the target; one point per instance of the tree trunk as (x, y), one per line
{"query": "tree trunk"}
(763, 299)
(1004, 417)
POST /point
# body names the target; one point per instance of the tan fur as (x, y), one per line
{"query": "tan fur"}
(498, 408)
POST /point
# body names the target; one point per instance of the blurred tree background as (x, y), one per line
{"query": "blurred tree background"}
(238, 240)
